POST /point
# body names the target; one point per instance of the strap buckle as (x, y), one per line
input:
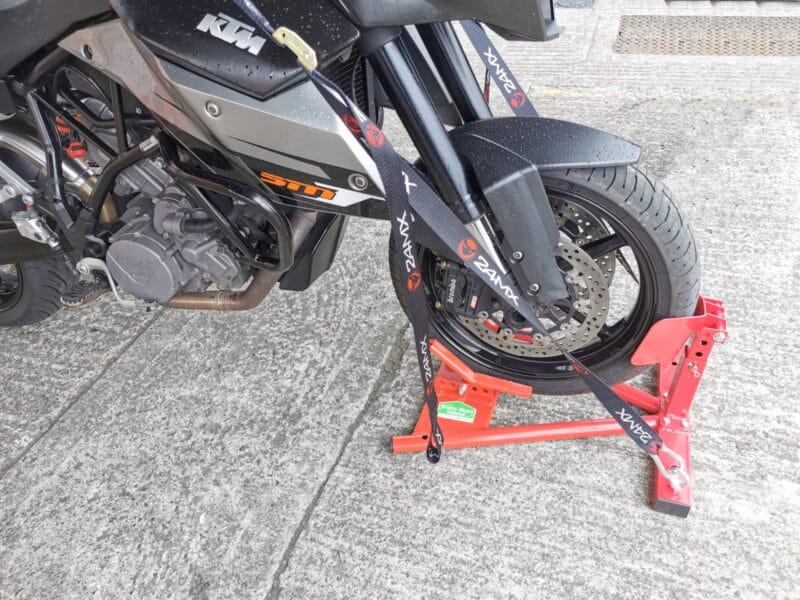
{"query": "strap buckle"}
(677, 476)
(290, 39)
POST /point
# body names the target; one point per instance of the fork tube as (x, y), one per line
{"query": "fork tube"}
(451, 62)
(420, 119)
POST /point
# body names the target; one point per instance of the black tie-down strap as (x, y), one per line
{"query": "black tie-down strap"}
(497, 68)
(410, 199)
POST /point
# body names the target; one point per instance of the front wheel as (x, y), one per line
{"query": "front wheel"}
(630, 259)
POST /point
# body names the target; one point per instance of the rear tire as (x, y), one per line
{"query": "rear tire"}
(644, 207)
(41, 284)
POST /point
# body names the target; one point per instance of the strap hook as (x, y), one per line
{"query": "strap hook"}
(677, 476)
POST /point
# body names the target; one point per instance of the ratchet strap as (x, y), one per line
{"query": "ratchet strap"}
(411, 200)
(497, 68)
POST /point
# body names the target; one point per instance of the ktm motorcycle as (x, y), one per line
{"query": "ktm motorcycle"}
(170, 152)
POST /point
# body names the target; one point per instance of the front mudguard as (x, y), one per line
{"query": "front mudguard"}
(506, 156)
(542, 143)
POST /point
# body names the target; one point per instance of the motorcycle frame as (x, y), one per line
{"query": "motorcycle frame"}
(394, 67)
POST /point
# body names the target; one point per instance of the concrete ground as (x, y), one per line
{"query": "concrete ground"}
(170, 454)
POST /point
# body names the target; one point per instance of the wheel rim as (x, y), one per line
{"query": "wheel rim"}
(619, 340)
(10, 286)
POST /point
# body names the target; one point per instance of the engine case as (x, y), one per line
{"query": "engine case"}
(152, 260)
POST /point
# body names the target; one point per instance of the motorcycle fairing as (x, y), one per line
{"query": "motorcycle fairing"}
(225, 46)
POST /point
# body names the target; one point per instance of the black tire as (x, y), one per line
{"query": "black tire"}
(40, 286)
(644, 208)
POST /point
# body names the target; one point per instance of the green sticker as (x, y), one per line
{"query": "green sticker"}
(457, 411)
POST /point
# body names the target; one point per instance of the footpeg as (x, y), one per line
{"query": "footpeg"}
(83, 291)
(31, 225)
(86, 265)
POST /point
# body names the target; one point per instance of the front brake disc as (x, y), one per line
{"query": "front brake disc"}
(582, 227)
(590, 300)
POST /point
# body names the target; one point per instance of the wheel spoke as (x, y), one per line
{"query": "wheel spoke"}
(607, 245)
(626, 265)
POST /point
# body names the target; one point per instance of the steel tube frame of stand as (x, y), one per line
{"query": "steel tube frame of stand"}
(679, 347)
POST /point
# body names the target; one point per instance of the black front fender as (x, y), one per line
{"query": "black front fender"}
(543, 143)
(507, 156)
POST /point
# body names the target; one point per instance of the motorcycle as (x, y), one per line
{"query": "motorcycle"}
(173, 153)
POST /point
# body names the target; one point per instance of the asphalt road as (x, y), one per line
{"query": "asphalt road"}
(170, 454)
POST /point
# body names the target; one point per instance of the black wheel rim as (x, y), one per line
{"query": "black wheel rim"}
(10, 286)
(622, 340)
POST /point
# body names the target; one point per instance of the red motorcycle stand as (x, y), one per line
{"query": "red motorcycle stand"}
(679, 347)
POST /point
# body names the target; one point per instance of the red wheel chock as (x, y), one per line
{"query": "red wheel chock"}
(679, 348)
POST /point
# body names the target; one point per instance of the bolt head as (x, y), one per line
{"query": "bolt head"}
(213, 109)
(534, 288)
(358, 182)
(517, 255)
(720, 337)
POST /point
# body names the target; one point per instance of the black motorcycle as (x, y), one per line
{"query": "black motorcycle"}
(178, 153)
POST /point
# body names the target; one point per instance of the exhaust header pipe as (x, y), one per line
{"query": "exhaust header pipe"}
(261, 285)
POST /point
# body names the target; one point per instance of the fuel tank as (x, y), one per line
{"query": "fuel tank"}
(216, 40)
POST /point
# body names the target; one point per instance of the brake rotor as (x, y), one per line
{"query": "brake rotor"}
(575, 328)
(582, 228)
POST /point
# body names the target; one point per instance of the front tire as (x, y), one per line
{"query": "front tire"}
(641, 210)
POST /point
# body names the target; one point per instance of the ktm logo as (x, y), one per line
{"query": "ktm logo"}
(518, 100)
(467, 248)
(234, 32)
(306, 189)
(413, 281)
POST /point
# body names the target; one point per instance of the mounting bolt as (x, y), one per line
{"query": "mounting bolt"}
(569, 279)
(213, 109)
(159, 162)
(517, 255)
(684, 422)
(358, 182)
(720, 337)
(27, 200)
(9, 191)
(533, 288)
(438, 305)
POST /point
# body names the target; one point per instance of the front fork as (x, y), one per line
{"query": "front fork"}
(455, 180)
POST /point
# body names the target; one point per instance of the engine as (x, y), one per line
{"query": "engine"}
(164, 246)
(161, 250)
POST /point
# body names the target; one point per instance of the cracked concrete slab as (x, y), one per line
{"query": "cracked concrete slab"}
(185, 470)
(248, 455)
(49, 365)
